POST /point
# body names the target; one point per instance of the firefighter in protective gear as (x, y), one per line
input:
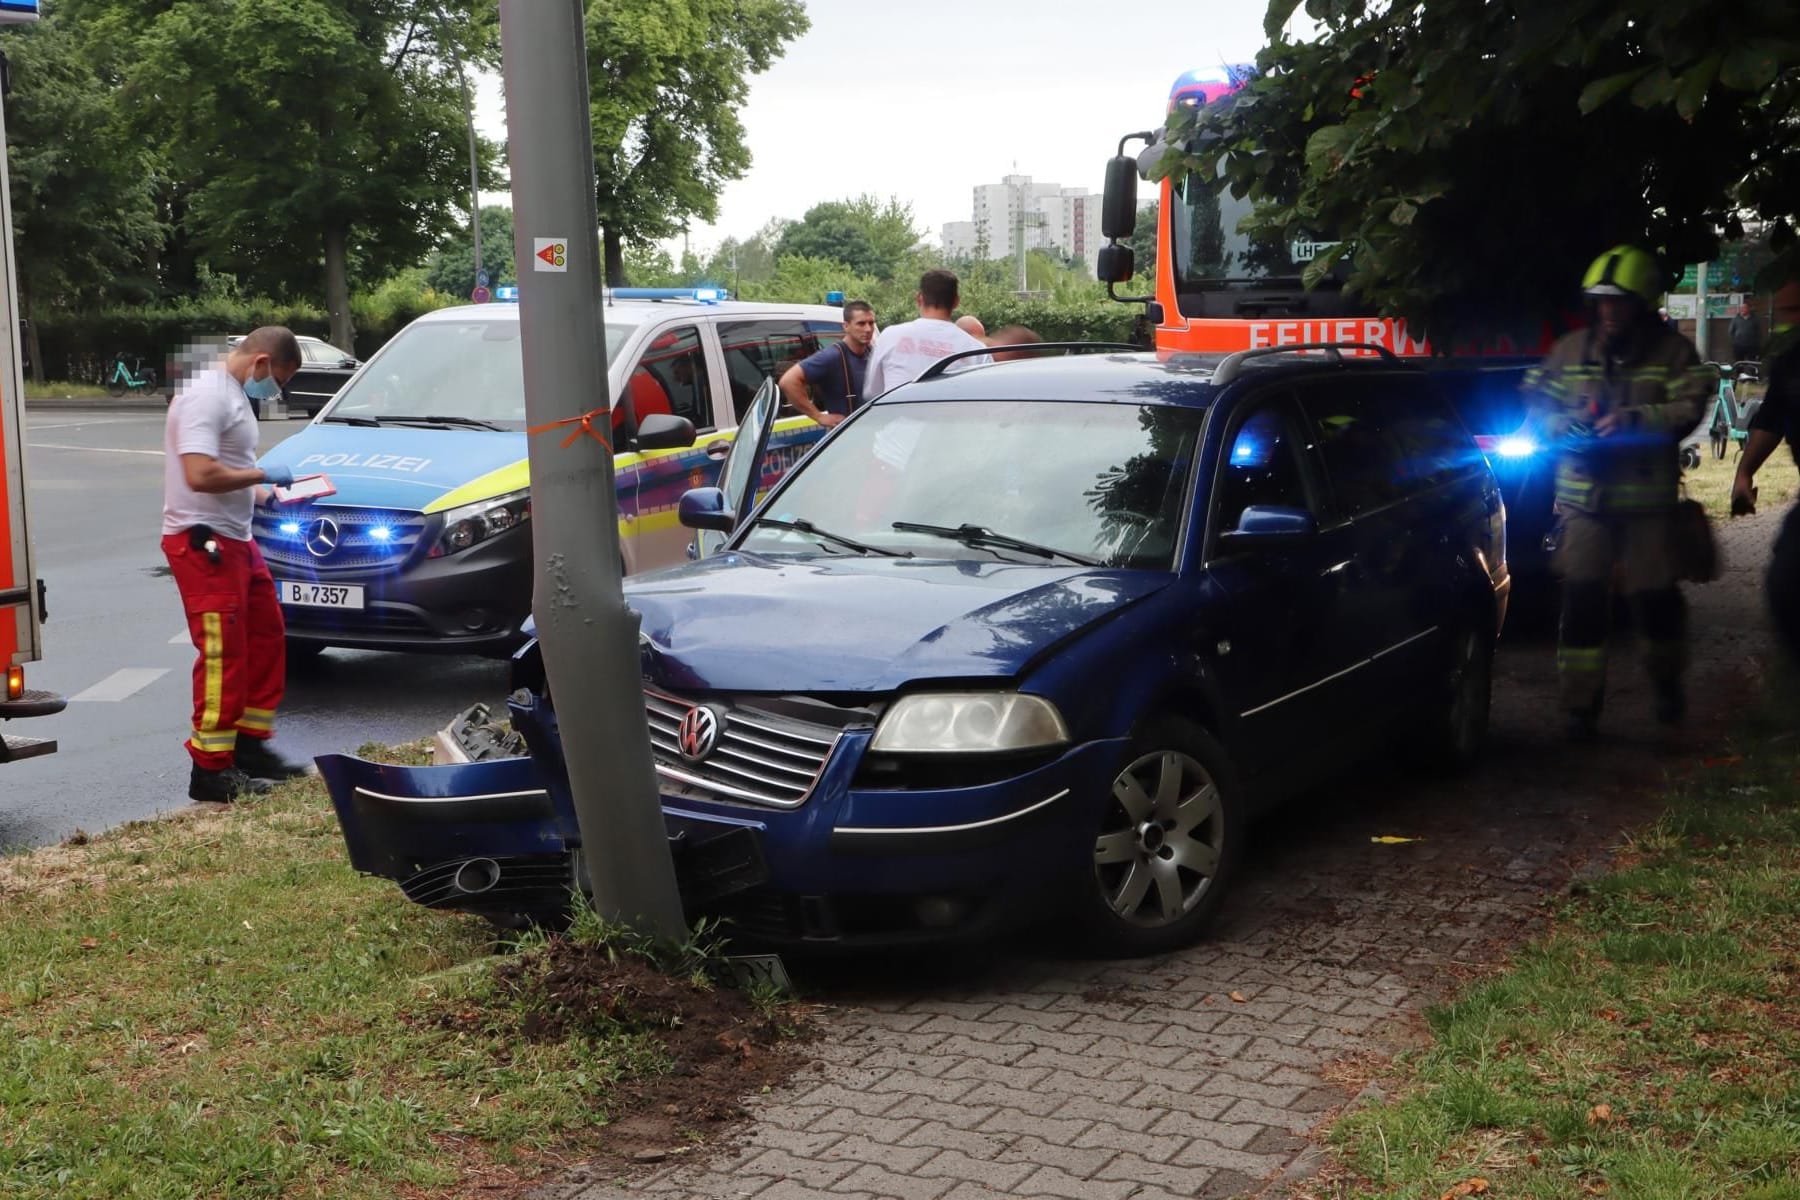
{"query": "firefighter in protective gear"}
(1615, 400)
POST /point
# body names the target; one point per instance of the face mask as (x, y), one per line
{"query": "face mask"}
(262, 389)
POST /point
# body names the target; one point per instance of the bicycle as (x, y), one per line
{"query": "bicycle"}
(136, 378)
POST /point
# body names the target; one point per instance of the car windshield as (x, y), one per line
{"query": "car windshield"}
(985, 480)
(468, 371)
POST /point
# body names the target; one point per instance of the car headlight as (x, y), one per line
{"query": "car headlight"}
(968, 722)
(471, 524)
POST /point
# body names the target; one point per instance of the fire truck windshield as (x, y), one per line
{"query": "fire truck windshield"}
(1209, 251)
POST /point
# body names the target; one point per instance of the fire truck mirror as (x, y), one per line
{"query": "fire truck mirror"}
(1115, 264)
(1118, 208)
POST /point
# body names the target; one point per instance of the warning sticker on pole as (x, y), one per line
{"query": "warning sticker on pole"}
(550, 254)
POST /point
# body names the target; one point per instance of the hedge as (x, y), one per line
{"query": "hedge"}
(78, 347)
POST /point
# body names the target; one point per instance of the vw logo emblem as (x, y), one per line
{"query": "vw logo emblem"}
(698, 733)
(322, 537)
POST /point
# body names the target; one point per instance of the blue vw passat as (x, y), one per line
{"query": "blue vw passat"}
(1020, 638)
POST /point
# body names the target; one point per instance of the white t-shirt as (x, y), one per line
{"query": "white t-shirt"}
(210, 415)
(902, 352)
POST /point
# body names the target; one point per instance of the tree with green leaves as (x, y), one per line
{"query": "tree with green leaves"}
(452, 269)
(668, 80)
(870, 236)
(1471, 158)
(310, 143)
(82, 207)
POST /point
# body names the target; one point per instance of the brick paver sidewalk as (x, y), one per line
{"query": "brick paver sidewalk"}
(1202, 1073)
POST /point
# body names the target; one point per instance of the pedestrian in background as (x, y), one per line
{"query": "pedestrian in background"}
(903, 351)
(827, 385)
(1778, 420)
(971, 324)
(1013, 335)
(210, 483)
(1745, 335)
(1616, 398)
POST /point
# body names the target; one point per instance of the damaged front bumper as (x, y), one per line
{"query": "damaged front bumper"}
(493, 836)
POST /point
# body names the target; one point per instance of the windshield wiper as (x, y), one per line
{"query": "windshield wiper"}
(468, 422)
(976, 535)
(370, 422)
(802, 525)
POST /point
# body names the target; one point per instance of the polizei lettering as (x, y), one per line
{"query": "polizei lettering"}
(374, 462)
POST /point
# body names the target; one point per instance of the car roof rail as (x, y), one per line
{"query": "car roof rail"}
(1234, 363)
(937, 368)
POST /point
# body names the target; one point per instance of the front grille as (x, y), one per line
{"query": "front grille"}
(356, 548)
(758, 757)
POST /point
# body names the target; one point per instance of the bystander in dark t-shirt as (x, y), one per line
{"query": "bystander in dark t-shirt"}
(1780, 409)
(835, 375)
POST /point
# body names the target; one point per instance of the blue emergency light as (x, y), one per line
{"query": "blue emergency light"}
(14, 12)
(705, 295)
(507, 293)
(834, 297)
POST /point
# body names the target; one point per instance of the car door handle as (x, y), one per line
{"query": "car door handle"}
(718, 449)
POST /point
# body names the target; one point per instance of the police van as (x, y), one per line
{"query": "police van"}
(426, 543)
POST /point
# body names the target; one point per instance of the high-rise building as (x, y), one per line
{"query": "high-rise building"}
(1044, 216)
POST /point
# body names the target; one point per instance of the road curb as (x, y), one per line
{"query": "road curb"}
(156, 403)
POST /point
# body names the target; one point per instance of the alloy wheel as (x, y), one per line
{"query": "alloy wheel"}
(1158, 851)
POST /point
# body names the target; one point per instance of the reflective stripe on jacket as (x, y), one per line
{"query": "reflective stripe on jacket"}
(1661, 387)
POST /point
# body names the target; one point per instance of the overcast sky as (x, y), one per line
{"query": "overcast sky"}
(924, 99)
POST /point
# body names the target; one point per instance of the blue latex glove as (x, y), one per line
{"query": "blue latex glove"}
(279, 476)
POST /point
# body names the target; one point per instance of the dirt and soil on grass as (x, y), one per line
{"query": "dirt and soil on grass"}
(701, 1047)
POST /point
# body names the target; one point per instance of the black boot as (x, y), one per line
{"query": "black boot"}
(256, 759)
(1584, 722)
(222, 786)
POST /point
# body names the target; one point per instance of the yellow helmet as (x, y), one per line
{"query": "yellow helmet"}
(1625, 271)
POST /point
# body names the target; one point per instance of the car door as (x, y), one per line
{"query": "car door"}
(741, 477)
(764, 348)
(669, 375)
(1282, 638)
(1357, 428)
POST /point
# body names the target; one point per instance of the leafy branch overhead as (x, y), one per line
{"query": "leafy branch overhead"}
(668, 80)
(1472, 157)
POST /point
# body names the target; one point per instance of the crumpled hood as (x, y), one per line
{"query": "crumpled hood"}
(743, 622)
(397, 467)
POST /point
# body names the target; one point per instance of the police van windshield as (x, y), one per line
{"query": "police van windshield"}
(469, 373)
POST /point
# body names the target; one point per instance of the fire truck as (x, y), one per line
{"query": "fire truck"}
(1218, 290)
(22, 607)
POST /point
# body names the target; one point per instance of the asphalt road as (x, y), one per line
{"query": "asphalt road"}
(117, 646)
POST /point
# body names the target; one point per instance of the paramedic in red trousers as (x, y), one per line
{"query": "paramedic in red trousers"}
(210, 486)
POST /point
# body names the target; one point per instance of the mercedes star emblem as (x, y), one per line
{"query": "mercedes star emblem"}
(322, 537)
(698, 733)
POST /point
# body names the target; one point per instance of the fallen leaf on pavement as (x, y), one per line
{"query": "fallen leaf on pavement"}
(1239, 997)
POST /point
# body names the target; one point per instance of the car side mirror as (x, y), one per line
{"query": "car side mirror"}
(349, 364)
(664, 431)
(1265, 526)
(704, 508)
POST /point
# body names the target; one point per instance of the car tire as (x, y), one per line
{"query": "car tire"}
(1458, 719)
(1158, 868)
